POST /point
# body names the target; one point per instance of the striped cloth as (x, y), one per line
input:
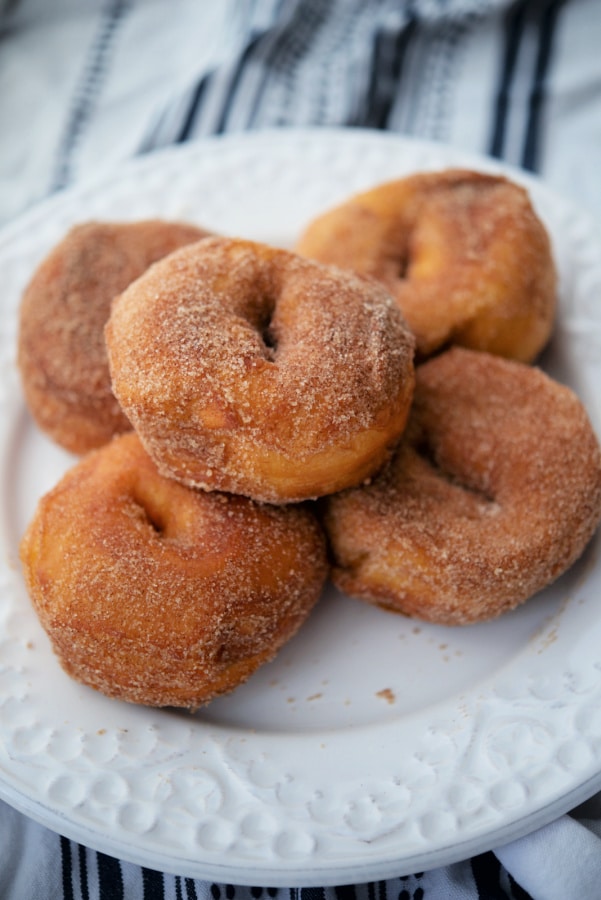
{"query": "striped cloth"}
(86, 85)
(561, 861)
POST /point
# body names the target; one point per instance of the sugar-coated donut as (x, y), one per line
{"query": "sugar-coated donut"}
(245, 368)
(161, 595)
(61, 349)
(494, 491)
(464, 253)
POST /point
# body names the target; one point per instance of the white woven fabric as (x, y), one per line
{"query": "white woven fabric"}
(84, 86)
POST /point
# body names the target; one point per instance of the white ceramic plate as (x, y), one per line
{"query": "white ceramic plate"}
(373, 746)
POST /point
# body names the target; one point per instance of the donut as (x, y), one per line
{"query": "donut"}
(494, 491)
(61, 350)
(463, 252)
(160, 595)
(246, 369)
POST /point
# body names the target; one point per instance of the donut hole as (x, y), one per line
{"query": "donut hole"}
(392, 262)
(268, 338)
(403, 264)
(260, 317)
(164, 516)
(428, 452)
(150, 514)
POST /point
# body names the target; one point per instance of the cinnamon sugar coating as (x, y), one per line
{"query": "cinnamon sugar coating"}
(464, 253)
(247, 369)
(161, 595)
(61, 349)
(494, 492)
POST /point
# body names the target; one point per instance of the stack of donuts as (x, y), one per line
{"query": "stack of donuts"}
(251, 421)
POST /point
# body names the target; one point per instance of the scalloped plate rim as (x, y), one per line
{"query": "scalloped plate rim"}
(290, 872)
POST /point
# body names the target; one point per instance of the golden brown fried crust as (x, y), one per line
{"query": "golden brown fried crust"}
(161, 595)
(494, 491)
(61, 349)
(464, 253)
(247, 369)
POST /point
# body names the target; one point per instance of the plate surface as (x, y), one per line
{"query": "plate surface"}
(373, 745)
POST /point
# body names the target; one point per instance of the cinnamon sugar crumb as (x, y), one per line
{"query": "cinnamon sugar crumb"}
(387, 694)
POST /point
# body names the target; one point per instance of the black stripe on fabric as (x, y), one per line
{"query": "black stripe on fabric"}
(88, 89)
(235, 81)
(276, 51)
(517, 891)
(83, 873)
(201, 90)
(178, 888)
(276, 58)
(410, 893)
(66, 869)
(273, 50)
(346, 892)
(514, 28)
(486, 870)
(153, 885)
(6, 10)
(110, 878)
(9, 6)
(312, 893)
(192, 110)
(530, 157)
(190, 889)
(390, 50)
